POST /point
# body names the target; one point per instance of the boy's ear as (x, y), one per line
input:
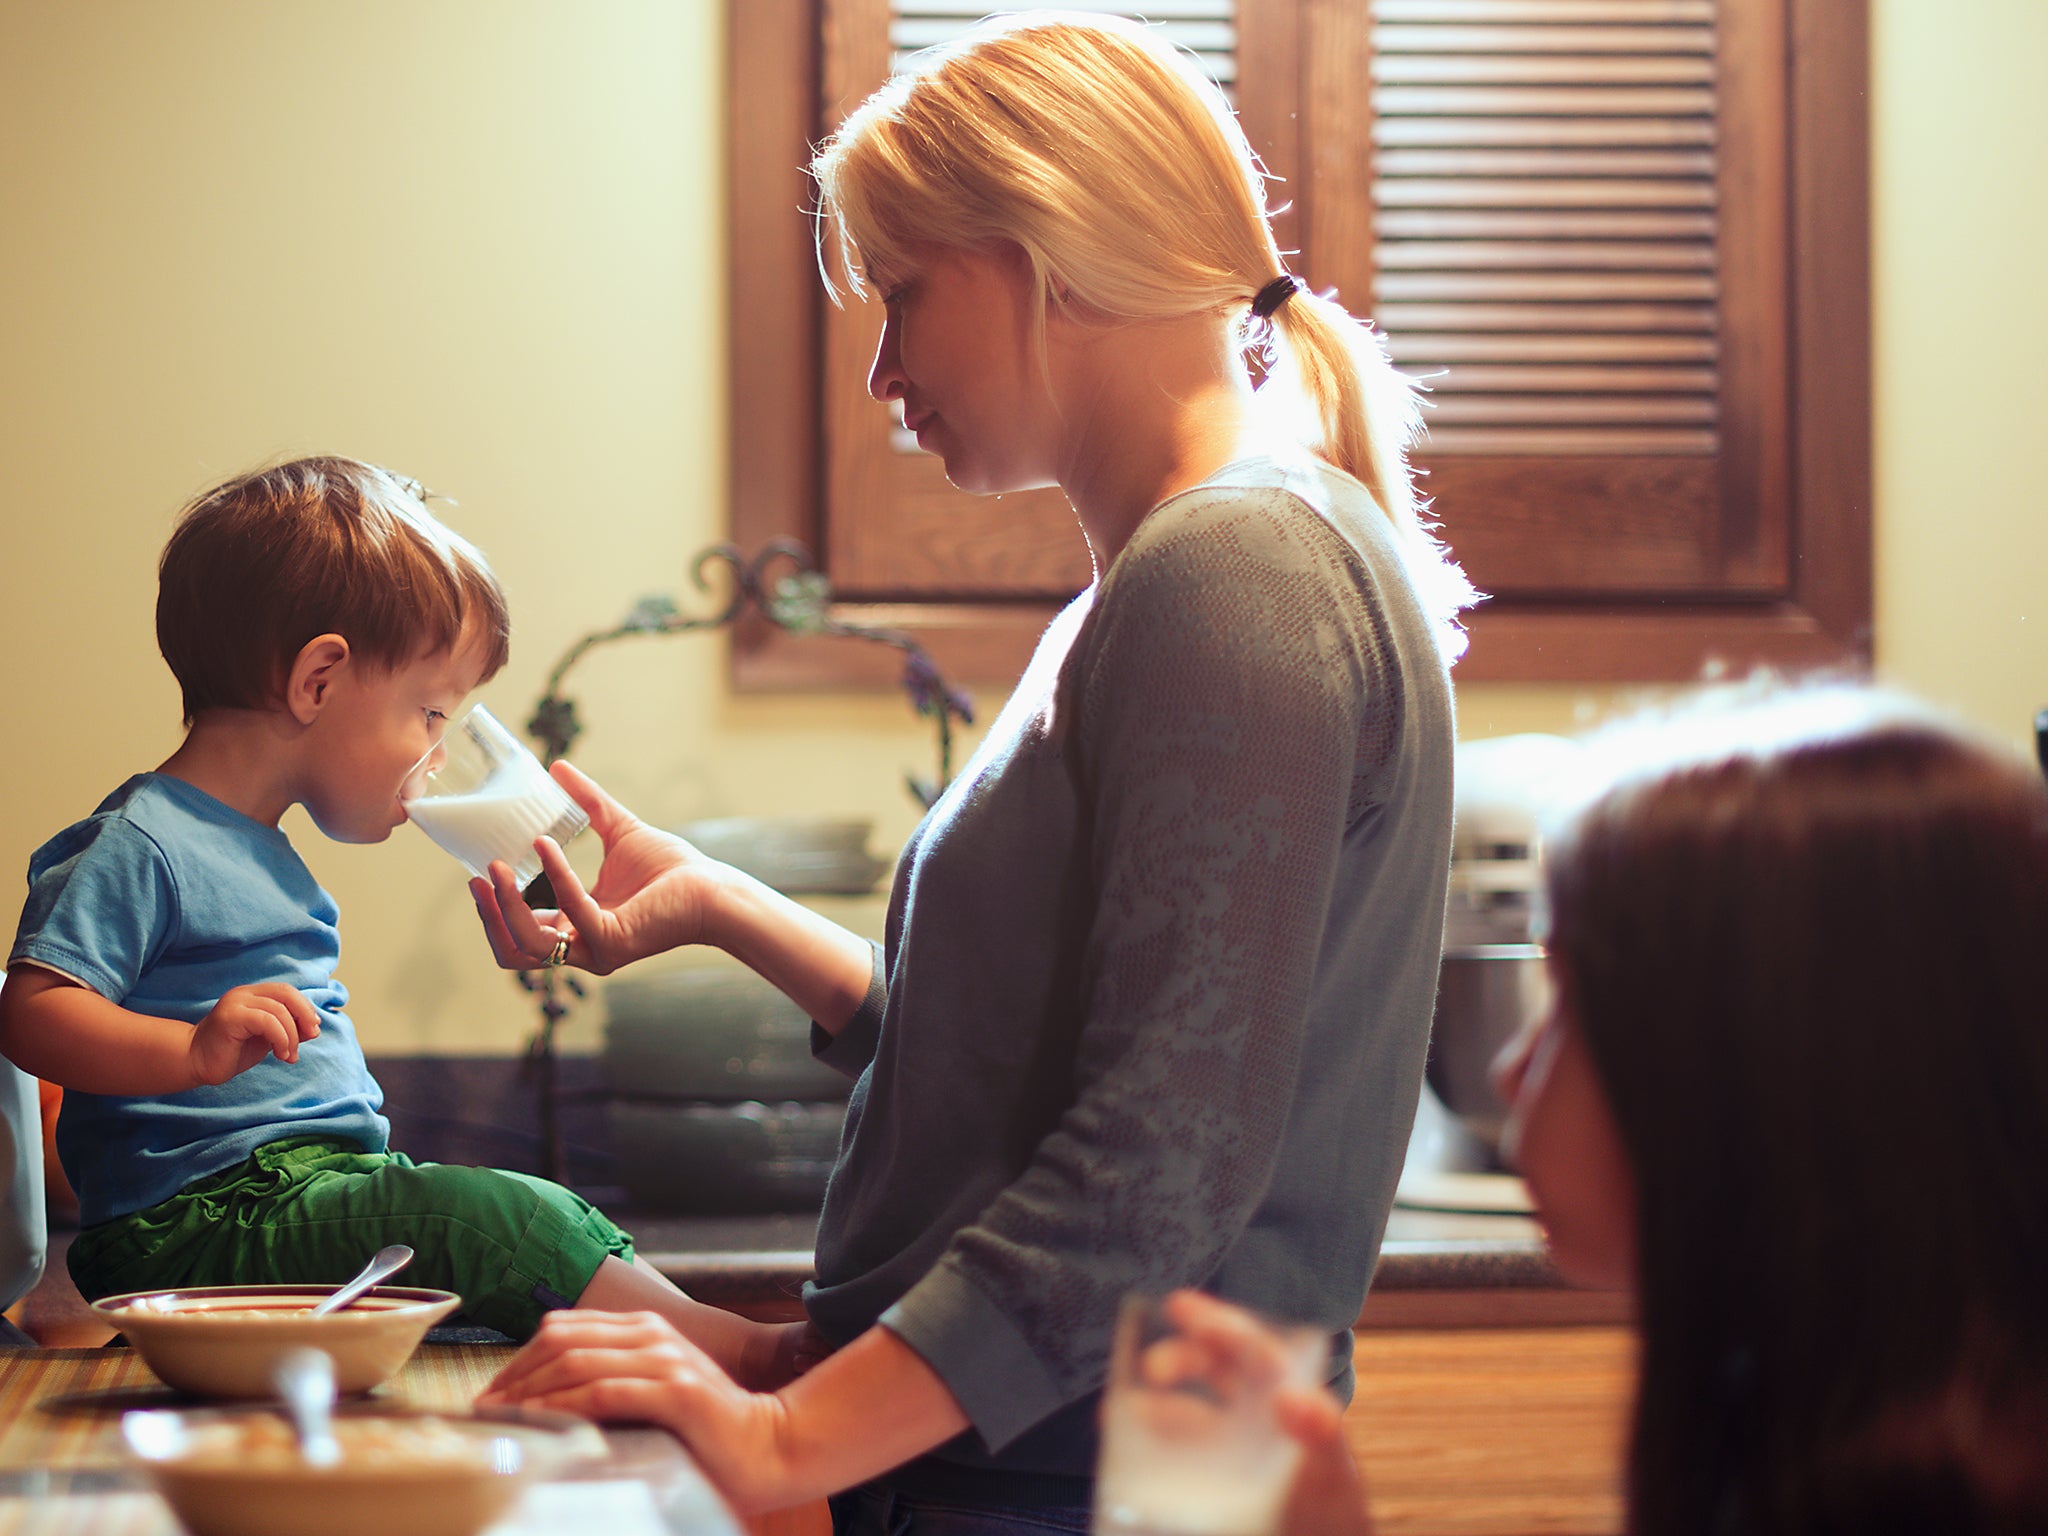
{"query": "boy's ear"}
(321, 660)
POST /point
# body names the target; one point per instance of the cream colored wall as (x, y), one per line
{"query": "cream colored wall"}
(481, 242)
(476, 240)
(1959, 225)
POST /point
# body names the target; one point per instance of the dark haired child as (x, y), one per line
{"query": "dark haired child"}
(175, 965)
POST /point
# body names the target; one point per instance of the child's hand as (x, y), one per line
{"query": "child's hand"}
(265, 1018)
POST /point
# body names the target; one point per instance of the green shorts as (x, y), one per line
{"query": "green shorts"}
(311, 1210)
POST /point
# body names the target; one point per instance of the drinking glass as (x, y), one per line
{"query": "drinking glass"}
(1191, 1445)
(482, 796)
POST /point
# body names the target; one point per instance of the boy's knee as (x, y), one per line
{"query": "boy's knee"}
(493, 1204)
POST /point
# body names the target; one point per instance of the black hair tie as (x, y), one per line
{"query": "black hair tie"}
(1274, 294)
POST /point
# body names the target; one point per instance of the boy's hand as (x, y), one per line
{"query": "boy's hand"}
(265, 1018)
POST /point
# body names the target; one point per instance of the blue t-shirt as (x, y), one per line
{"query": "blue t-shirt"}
(161, 901)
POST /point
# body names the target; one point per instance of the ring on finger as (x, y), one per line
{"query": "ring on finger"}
(559, 955)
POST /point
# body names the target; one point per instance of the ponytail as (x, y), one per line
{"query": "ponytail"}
(1330, 369)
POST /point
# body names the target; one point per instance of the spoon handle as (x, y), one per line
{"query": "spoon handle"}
(386, 1262)
(305, 1380)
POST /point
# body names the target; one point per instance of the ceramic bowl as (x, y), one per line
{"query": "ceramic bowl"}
(224, 1340)
(237, 1472)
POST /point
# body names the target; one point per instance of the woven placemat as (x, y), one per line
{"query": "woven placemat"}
(61, 1408)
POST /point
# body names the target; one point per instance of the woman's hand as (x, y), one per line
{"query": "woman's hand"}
(1328, 1496)
(787, 1351)
(651, 894)
(635, 1367)
(868, 1407)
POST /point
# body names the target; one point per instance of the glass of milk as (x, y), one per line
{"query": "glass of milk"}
(1190, 1442)
(482, 796)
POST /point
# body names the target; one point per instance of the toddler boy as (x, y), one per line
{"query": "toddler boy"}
(175, 965)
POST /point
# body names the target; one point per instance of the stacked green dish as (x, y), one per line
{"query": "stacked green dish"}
(715, 1101)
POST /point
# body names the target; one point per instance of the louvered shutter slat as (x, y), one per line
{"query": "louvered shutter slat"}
(1519, 378)
(1477, 321)
(1549, 132)
(1545, 12)
(1396, 227)
(1451, 256)
(1554, 164)
(1550, 347)
(1544, 185)
(1206, 28)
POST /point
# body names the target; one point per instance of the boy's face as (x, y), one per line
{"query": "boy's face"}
(374, 729)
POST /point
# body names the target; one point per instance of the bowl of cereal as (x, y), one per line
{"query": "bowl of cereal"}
(226, 1340)
(239, 1472)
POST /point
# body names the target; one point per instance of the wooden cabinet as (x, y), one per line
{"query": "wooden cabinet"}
(1493, 1398)
(1469, 1431)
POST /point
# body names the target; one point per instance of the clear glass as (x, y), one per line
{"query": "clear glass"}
(1190, 1442)
(482, 796)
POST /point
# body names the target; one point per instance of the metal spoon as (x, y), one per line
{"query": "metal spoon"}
(304, 1378)
(389, 1261)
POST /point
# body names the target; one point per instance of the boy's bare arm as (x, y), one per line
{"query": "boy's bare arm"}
(65, 1033)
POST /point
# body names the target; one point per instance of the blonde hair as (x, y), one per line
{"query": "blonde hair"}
(1120, 171)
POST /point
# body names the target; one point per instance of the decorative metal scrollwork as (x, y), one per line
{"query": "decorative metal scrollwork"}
(783, 584)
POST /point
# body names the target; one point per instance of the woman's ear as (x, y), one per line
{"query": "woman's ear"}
(320, 662)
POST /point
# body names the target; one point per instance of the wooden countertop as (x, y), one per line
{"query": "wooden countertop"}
(1492, 1395)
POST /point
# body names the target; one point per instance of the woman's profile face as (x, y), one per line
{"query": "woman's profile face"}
(1562, 1138)
(957, 351)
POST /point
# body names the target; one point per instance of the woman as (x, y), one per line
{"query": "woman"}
(1795, 1094)
(1160, 964)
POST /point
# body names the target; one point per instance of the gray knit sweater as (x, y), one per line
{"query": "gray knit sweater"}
(1159, 967)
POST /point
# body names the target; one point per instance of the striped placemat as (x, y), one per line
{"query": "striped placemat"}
(62, 1408)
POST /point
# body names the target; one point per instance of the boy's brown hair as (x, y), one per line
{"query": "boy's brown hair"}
(260, 565)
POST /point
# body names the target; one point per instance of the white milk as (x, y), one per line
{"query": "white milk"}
(500, 820)
(1148, 1484)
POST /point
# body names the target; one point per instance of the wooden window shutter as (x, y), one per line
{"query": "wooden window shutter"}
(1579, 240)
(1623, 241)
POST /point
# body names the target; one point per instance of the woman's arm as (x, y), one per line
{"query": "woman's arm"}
(872, 1406)
(655, 893)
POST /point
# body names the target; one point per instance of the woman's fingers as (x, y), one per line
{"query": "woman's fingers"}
(681, 1369)
(504, 947)
(561, 1332)
(1312, 1417)
(608, 818)
(613, 1400)
(533, 939)
(585, 917)
(1223, 1341)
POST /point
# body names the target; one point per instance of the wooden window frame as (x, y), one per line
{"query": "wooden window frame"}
(1820, 615)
